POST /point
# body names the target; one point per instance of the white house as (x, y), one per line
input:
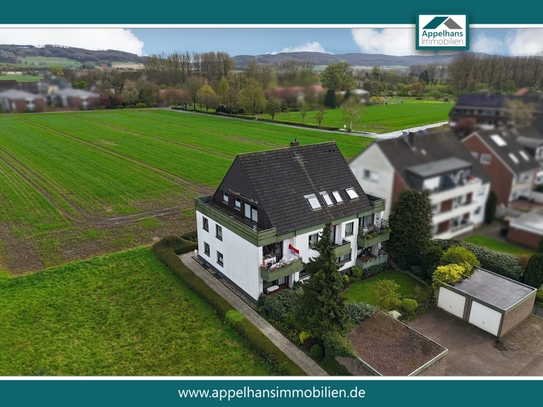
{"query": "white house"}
(263, 220)
(435, 161)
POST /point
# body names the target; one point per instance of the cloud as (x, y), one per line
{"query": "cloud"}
(87, 38)
(486, 43)
(388, 41)
(307, 47)
(527, 41)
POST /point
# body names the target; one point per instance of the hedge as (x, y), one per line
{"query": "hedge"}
(168, 250)
(504, 264)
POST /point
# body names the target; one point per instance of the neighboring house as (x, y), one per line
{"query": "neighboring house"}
(268, 211)
(435, 161)
(512, 169)
(490, 110)
(492, 302)
(53, 84)
(75, 99)
(526, 229)
(295, 95)
(531, 138)
(18, 101)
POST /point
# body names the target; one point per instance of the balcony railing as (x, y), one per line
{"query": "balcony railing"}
(370, 261)
(280, 270)
(342, 249)
(370, 235)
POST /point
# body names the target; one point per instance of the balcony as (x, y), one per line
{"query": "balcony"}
(370, 235)
(368, 261)
(342, 249)
(378, 204)
(280, 270)
(236, 224)
(471, 185)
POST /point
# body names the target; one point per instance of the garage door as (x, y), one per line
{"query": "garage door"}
(451, 302)
(485, 318)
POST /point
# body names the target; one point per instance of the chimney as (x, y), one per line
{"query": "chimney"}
(409, 138)
(294, 143)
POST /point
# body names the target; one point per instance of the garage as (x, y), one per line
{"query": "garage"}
(451, 302)
(489, 301)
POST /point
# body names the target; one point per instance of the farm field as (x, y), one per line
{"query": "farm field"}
(398, 114)
(79, 184)
(20, 78)
(50, 61)
(124, 314)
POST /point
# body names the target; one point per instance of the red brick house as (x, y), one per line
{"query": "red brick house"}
(18, 101)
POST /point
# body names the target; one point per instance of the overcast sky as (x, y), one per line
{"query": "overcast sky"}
(256, 41)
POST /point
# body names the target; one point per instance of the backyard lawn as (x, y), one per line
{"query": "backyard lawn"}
(359, 291)
(496, 245)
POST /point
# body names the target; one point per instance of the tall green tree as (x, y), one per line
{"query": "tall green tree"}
(272, 107)
(130, 92)
(490, 208)
(252, 97)
(207, 96)
(319, 115)
(338, 76)
(411, 224)
(320, 308)
(352, 110)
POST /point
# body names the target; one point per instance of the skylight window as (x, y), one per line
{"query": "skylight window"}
(513, 157)
(327, 198)
(313, 201)
(337, 197)
(498, 140)
(524, 155)
(352, 193)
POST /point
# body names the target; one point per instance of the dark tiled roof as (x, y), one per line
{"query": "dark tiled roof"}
(281, 179)
(431, 147)
(480, 100)
(512, 146)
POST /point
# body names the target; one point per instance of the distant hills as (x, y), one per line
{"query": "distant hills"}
(15, 53)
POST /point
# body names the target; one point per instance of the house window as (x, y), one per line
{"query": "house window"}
(478, 210)
(436, 208)
(345, 258)
(337, 197)
(313, 239)
(486, 158)
(367, 220)
(349, 229)
(313, 201)
(218, 234)
(367, 174)
(539, 152)
(326, 198)
(206, 249)
(352, 193)
(206, 223)
(475, 154)
(237, 203)
(251, 212)
(220, 259)
(225, 198)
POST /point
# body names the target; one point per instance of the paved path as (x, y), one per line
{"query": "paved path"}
(295, 354)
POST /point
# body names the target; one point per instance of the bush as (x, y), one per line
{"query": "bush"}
(316, 352)
(374, 270)
(449, 274)
(279, 305)
(504, 264)
(461, 256)
(430, 260)
(345, 279)
(140, 105)
(190, 236)
(409, 306)
(359, 311)
(534, 271)
(539, 296)
(337, 344)
(232, 316)
(356, 271)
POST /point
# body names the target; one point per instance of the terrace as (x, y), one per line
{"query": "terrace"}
(366, 260)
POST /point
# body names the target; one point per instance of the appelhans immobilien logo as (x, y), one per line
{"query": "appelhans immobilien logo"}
(442, 31)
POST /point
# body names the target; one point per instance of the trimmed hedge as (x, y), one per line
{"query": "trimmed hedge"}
(373, 270)
(168, 250)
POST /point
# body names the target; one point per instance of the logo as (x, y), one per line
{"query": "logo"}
(442, 32)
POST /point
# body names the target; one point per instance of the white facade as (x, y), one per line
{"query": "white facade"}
(380, 179)
(242, 260)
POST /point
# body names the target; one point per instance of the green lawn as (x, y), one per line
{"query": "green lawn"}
(29, 62)
(497, 245)
(397, 115)
(122, 314)
(359, 291)
(21, 78)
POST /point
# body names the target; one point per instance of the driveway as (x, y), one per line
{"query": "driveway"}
(474, 352)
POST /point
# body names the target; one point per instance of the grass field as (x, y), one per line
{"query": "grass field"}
(359, 291)
(497, 245)
(398, 114)
(84, 183)
(49, 61)
(20, 78)
(122, 314)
